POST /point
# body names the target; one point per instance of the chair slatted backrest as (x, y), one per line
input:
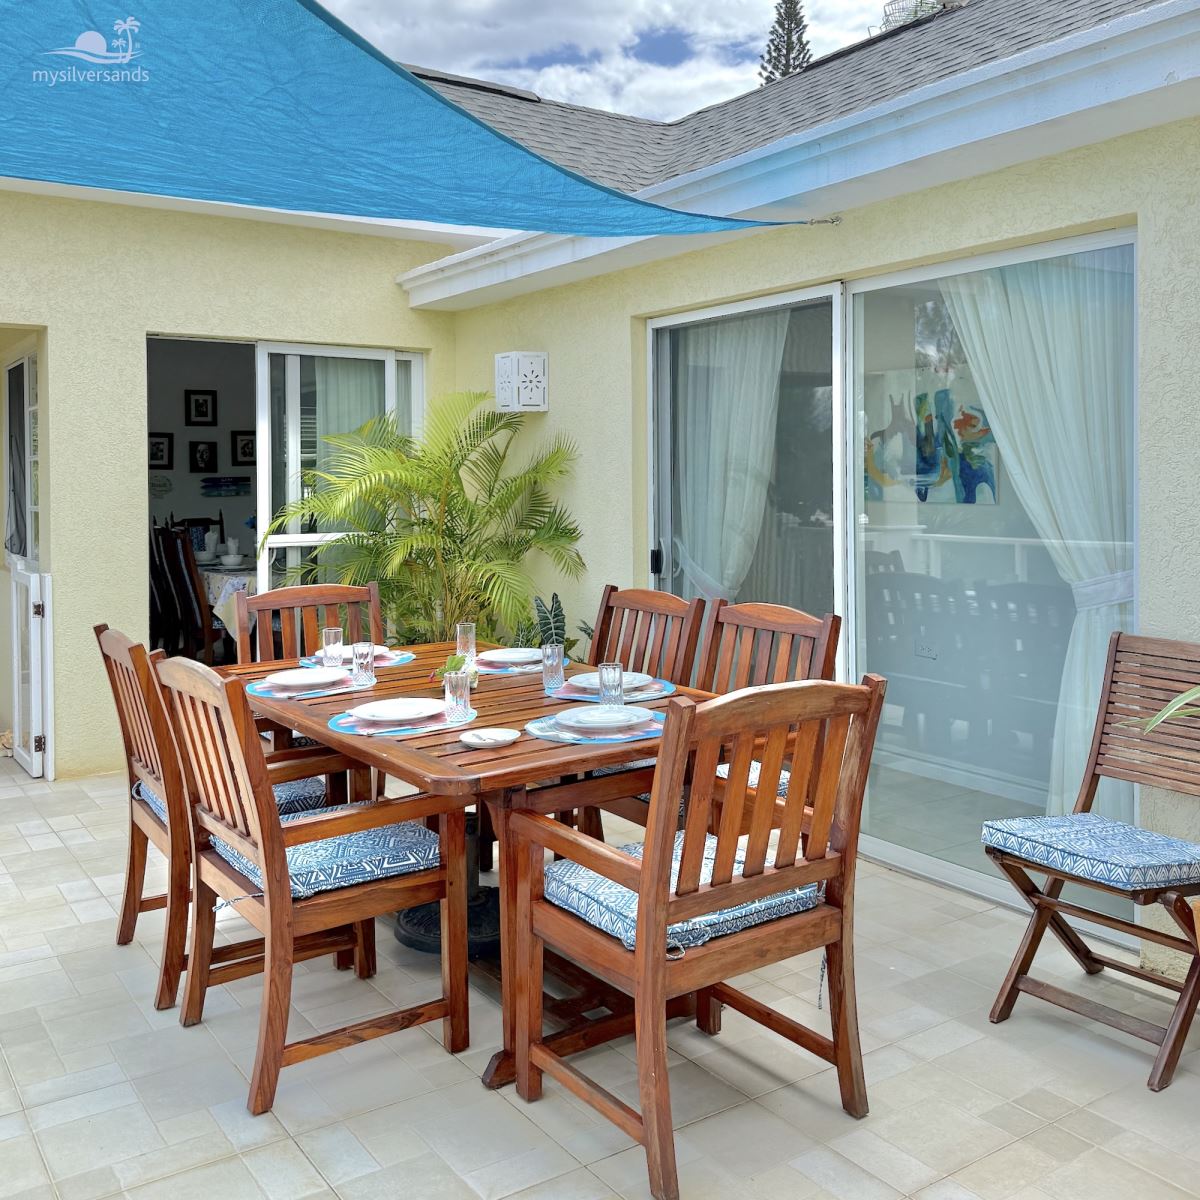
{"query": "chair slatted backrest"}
(224, 767)
(150, 754)
(827, 729)
(648, 631)
(301, 613)
(748, 645)
(1144, 674)
(180, 560)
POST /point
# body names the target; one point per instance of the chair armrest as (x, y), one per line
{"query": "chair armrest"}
(578, 847)
(373, 814)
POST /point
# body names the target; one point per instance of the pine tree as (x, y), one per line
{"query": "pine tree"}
(787, 45)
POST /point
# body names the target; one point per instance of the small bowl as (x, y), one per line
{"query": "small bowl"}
(231, 560)
(489, 739)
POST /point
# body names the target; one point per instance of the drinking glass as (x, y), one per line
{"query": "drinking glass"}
(458, 695)
(612, 684)
(363, 674)
(552, 667)
(466, 643)
(333, 649)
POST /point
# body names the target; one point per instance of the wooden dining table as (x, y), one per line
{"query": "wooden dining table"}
(531, 774)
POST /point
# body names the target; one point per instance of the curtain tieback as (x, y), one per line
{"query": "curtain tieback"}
(705, 584)
(1103, 591)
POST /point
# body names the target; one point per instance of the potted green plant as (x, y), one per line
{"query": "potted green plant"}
(446, 523)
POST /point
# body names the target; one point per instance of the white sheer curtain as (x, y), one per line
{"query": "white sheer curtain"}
(727, 402)
(1050, 346)
(349, 392)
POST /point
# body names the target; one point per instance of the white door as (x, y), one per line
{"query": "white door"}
(29, 640)
(305, 393)
(28, 663)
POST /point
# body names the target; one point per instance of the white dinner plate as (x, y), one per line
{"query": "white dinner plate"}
(307, 679)
(403, 710)
(600, 719)
(632, 680)
(518, 656)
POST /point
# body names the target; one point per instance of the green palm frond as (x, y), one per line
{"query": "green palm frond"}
(445, 523)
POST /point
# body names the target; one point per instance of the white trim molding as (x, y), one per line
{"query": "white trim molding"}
(1118, 77)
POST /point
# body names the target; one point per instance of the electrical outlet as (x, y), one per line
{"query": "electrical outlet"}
(925, 650)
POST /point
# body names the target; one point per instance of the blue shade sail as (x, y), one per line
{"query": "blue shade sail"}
(274, 104)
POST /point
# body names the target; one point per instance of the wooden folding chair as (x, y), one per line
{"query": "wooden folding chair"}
(737, 904)
(157, 807)
(300, 613)
(1089, 851)
(312, 885)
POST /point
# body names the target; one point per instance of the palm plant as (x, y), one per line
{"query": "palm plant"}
(445, 523)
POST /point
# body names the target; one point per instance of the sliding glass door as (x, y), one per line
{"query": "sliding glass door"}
(745, 418)
(305, 394)
(993, 551)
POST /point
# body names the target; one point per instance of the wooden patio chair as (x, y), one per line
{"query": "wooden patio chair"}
(1092, 852)
(736, 905)
(157, 808)
(311, 884)
(202, 632)
(300, 613)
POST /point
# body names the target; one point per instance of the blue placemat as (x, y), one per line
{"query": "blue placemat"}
(401, 657)
(548, 730)
(345, 723)
(652, 691)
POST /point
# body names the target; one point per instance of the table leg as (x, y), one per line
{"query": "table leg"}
(502, 1067)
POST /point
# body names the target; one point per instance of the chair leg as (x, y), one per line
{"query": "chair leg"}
(273, 1020)
(708, 1012)
(591, 823)
(135, 882)
(456, 1026)
(650, 1015)
(530, 957)
(843, 1013)
(174, 954)
(1177, 1031)
(204, 924)
(364, 949)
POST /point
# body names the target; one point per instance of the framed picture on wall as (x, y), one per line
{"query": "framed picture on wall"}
(202, 457)
(162, 451)
(242, 449)
(199, 408)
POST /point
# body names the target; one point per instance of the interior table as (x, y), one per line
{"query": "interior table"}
(530, 774)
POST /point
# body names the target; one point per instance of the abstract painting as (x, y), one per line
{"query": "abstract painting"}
(929, 445)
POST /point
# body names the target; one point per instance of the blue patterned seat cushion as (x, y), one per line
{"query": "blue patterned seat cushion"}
(612, 908)
(351, 858)
(752, 777)
(299, 796)
(1093, 847)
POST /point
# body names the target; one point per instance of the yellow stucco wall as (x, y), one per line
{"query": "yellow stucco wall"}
(99, 278)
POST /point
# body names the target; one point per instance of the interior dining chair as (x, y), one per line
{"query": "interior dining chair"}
(157, 808)
(202, 631)
(1108, 857)
(311, 884)
(689, 909)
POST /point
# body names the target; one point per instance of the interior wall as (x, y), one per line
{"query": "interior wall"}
(173, 366)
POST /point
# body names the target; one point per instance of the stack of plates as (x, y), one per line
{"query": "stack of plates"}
(307, 679)
(399, 711)
(599, 720)
(518, 656)
(631, 681)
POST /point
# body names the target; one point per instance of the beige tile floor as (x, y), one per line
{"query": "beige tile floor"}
(100, 1095)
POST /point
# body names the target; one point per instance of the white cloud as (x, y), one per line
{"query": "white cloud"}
(480, 37)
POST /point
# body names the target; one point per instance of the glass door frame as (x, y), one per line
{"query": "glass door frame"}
(982, 883)
(294, 351)
(658, 415)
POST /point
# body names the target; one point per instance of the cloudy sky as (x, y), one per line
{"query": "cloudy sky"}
(655, 58)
